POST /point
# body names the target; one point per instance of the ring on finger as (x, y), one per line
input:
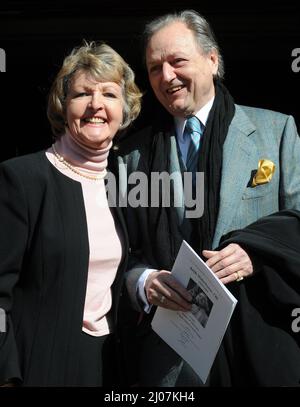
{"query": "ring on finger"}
(162, 299)
(238, 276)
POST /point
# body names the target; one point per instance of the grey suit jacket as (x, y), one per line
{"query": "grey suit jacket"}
(253, 134)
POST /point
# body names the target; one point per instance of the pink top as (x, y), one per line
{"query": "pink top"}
(104, 242)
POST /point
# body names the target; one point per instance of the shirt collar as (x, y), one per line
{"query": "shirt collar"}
(202, 115)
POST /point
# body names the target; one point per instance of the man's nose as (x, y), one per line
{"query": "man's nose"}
(168, 72)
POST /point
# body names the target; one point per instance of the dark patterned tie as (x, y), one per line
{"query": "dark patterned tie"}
(194, 130)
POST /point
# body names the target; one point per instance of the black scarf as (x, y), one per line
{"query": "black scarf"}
(163, 225)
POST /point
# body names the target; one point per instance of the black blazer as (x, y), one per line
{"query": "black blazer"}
(44, 255)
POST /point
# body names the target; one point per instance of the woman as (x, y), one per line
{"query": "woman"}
(62, 248)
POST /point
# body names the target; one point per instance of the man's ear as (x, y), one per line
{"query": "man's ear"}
(214, 61)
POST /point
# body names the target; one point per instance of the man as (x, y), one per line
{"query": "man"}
(250, 161)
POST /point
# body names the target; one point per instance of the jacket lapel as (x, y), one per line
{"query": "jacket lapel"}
(238, 151)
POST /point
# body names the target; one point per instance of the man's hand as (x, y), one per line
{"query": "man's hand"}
(163, 290)
(229, 264)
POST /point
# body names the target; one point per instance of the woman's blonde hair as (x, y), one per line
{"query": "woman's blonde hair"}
(104, 64)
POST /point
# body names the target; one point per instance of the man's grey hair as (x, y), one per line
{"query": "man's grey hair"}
(202, 30)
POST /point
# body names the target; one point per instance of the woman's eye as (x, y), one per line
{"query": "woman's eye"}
(79, 94)
(110, 95)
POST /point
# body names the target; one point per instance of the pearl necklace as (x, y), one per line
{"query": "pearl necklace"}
(61, 159)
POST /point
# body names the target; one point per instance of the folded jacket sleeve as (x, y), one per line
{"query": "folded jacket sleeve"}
(260, 347)
(13, 238)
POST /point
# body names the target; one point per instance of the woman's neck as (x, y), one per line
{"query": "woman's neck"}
(80, 156)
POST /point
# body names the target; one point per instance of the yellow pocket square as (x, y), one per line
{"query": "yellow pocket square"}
(264, 173)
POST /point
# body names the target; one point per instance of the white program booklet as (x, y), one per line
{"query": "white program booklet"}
(196, 335)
